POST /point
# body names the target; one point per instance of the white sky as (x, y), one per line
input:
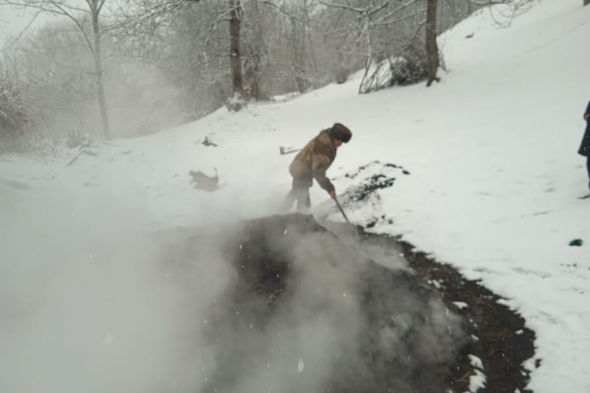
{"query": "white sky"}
(493, 190)
(13, 21)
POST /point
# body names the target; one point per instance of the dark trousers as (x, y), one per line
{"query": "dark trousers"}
(588, 168)
(300, 193)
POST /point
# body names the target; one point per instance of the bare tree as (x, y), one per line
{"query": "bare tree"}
(79, 17)
(270, 44)
(95, 7)
(155, 12)
(432, 58)
(389, 32)
(235, 28)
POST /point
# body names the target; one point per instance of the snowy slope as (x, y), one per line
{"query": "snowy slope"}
(493, 185)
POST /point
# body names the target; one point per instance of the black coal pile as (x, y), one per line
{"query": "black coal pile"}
(309, 310)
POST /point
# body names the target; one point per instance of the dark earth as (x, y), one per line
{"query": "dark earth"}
(505, 342)
(405, 338)
(433, 350)
(262, 251)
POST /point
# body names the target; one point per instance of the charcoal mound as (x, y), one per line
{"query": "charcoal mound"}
(312, 310)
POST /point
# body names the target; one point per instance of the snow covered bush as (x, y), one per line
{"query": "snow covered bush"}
(16, 120)
(404, 69)
(235, 103)
(13, 115)
(76, 138)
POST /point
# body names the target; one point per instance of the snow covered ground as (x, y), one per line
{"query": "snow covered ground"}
(493, 186)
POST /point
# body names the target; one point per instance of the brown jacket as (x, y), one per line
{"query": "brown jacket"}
(314, 159)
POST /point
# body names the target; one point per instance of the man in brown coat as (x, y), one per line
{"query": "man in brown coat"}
(312, 162)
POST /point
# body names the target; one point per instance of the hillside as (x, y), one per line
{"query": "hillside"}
(492, 186)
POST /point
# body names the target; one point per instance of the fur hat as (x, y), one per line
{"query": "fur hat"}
(340, 132)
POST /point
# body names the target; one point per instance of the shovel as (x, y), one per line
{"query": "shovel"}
(351, 226)
(341, 211)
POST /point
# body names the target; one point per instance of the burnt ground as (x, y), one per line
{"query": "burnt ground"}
(384, 330)
(502, 340)
(475, 323)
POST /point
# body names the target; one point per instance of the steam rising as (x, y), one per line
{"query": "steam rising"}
(305, 311)
(273, 305)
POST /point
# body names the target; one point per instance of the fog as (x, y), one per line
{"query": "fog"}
(141, 102)
(83, 304)
(291, 307)
(117, 308)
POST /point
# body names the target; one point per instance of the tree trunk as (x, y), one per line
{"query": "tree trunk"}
(256, 55)
(235, 26)
(106, 129)
(298, 50)
(369, 55)
(432, 59)
(308, 47)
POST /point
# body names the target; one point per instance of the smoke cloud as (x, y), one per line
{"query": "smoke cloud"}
(274, 305)
(304, 309)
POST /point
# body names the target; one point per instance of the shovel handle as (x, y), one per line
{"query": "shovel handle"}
(341, 210)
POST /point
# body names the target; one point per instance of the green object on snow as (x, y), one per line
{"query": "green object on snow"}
(576, 242)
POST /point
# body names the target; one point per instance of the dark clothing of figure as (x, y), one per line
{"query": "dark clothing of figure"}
(585, 145)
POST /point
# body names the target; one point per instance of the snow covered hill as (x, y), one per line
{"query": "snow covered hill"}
(492, 189)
